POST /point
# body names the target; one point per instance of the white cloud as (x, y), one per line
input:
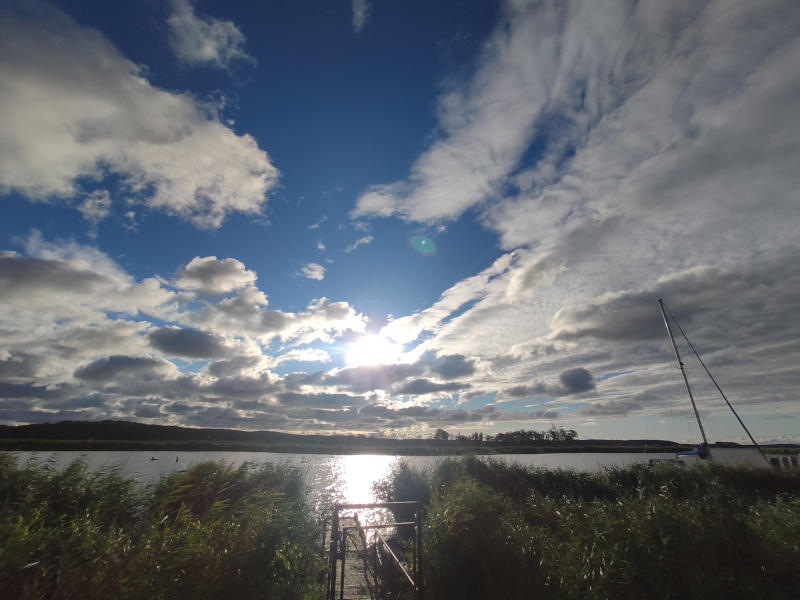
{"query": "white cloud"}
(620, 151)
(211, 275)
(96, 206)
(80, 338)
(320, 245)
(75, 108)
(247, 311)
(313, 271)
(304, 355)
(487, 124)
(359, 242)
(204, 40)
(362, 9)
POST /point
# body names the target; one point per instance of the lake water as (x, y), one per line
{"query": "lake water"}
(341, 478)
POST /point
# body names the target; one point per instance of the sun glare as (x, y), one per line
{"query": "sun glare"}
(372, 350)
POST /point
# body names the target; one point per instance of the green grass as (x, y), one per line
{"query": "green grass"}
(209, 532)
(498, 531)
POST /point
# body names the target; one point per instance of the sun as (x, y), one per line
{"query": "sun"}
(371, 350)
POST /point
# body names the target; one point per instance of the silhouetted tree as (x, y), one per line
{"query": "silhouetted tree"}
(441, 434)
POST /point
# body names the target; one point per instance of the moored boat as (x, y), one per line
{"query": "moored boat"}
(752, 456)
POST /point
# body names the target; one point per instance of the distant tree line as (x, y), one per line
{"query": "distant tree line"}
(520, 437)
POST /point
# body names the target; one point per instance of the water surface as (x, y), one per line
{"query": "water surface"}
(330, 477)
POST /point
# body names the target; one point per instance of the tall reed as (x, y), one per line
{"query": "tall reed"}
(212, 531)
(504, 532)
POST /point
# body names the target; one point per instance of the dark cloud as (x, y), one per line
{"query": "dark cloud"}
(451, 366)
(577, 380)
(148, 411)
(572, 381)
(385, 377)
(180, 408)
(20, 366)
(755, 294)
(20, 277)
(244, 387)
(186, 342)
(426, 386)
(106, 369)
(30, 390)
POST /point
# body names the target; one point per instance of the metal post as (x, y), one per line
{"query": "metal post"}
(418, 554)
(344, 553)
(331, 595)
(683, 370)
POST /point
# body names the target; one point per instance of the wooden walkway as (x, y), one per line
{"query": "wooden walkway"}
(364, 555)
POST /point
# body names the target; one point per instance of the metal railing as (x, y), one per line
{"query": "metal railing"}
(339, 535)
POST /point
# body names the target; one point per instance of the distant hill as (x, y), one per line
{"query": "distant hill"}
(127, 435)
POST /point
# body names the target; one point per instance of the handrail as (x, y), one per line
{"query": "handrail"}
(377, 505)
(339, 536)
(381, 525)
(397, 560)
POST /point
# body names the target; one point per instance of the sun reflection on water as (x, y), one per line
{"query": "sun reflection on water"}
(355, 477)
(357, 473)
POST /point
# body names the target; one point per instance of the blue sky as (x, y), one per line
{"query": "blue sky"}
(386, 218)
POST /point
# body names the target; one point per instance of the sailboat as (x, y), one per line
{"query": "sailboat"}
(703, 451)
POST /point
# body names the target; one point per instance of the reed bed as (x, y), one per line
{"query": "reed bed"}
(492, 531)
(505, 532)
(210, 532)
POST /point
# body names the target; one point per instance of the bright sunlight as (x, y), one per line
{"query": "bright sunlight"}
(372, 350)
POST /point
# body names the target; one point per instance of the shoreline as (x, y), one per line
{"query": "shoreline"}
(408, 448)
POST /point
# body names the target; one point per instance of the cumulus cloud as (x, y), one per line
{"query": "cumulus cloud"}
(81, 338)
(75, 110)
(449, 366)
(304, 355)
(75, 284)
(572, 381)
(187, 342)
(313, 271)
(575, 381)
(211, 275)
(204, 40)
(106, 369)
(247, 310)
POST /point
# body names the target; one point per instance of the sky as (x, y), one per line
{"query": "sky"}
(389, 217)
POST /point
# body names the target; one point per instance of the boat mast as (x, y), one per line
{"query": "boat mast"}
(683, 370)
(719, 389)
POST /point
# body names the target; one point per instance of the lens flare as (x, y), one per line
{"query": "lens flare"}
(422, 244)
